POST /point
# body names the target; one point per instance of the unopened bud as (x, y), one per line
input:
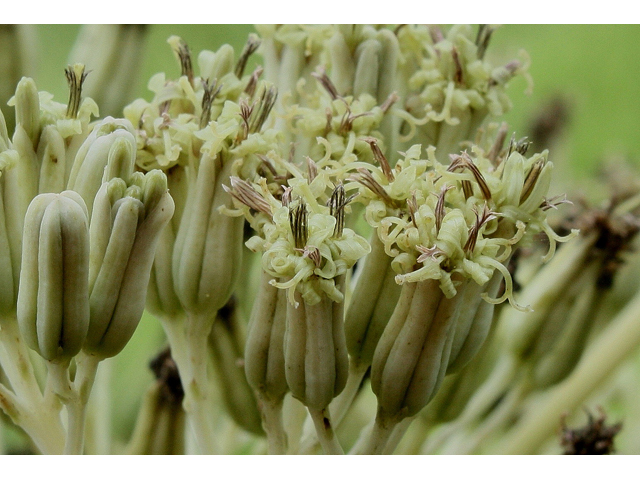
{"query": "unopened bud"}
(53, 300)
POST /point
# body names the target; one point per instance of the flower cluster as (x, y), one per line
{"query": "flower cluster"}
(359, 174)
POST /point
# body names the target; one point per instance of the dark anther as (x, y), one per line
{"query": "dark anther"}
(209, 95)
(460, 162)
(439, 210)
(521, 146)
(244, 192)
(250, 47)
(298, 216)
(75, 78)
(185, 61)
(336, 204)
(458, 75)
(481, 219)
(530, 181)
(482, 39)
(326, 82)
(365, 177)
(380, 158)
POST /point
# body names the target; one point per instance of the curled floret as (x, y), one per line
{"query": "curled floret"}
(464, 218)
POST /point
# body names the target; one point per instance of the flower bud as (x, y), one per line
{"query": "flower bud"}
(227, 340)
(367, 68)
(52, 152)
(27, 104)
(125, 229)
(372, 303)
(413, 353)
(451, 87)
(264, 355)
(9, 261)
(316, 361)
(214, 66)
(110, 150)
(208, 249)
(342, 63)
(53, 300)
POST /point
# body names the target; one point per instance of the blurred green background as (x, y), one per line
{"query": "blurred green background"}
(594, 69)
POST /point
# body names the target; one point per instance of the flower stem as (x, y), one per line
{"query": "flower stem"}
(76, 413)
(273, 425)
(14, 358)
(338, 408)
(188, 339)
(74, 396)
(379, 437)
(606, 353)
(397, 435)
(326, 435)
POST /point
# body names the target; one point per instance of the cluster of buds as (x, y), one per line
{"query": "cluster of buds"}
(79, 232)
(451, 231)
(224, 176)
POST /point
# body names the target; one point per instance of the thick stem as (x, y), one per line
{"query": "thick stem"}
(76, 414)
(74, 396)
(196, 387)
(44, 427)
(379, 437)
(2, 446)
(397, 435)
(98, 438)
(490, 391)
(188, 339)
(273, 426)
(495, 421)
(338, 408)
(14, 358)
(606, 353)
(326, 435)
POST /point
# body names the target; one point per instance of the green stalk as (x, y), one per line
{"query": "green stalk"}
(188, 338)
(74, 396)
(273, 425)
(326, 435)
(14, 358)
(379, 437)
(611, 348)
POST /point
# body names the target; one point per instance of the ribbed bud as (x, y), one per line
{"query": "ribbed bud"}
(214, 66)
(412, 356)
(367, 68)
(11, 225)
(343, 67)
(160, 426)
(264, 355)
(125, 229)
(52, 152)
(18, 56)
(109, 150)
(227, 340)
(208, 249)
(316, 361)
(53, 299)
(27, 104)
(372, 303)
(9, 268)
